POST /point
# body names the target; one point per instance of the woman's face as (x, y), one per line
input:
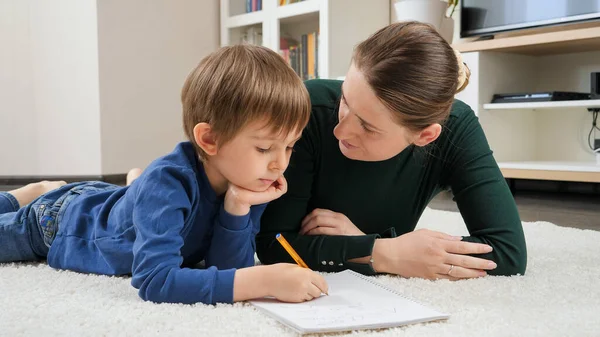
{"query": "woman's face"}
(366, 130)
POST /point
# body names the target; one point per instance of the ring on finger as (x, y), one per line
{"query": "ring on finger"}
(450, 270)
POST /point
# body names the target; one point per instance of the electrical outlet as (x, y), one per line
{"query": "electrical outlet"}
(596, 144)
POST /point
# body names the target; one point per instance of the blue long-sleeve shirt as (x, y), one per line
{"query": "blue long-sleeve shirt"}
(169, 218)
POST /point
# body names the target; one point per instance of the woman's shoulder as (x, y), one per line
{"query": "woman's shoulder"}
(324, 92)
(461, 117)
(461, 109)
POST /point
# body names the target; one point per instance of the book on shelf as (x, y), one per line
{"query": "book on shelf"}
(287, 2)
(302, 55)
(253, 6)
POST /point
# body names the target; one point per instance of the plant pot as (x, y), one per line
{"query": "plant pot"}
(428, 11)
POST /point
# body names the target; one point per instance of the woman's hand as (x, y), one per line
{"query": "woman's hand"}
(326, 222)
(431, 255)
(238, 200)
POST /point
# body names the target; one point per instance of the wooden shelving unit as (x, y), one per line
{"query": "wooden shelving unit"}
(537, 140)
(558, 42)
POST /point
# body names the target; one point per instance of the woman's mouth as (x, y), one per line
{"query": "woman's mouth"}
(347, 145)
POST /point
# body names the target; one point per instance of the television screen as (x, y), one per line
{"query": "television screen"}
(486, 17)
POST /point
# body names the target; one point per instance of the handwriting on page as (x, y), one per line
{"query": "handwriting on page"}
(339, 315)
(354, 302)
(336, 310)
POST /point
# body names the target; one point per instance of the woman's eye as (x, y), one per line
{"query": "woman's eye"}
(366, 128)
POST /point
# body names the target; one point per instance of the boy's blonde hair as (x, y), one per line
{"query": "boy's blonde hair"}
(241, 84)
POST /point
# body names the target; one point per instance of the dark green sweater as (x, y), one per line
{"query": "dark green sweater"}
(387, 198)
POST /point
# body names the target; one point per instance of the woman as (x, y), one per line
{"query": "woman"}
(379, 146)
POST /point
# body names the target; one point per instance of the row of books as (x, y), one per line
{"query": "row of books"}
(256, 5)
(253, 5)
(302, 55)
(287, 2)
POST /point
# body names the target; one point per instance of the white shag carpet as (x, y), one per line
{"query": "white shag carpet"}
(558, 296)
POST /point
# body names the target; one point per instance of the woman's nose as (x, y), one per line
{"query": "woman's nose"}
(342, 130)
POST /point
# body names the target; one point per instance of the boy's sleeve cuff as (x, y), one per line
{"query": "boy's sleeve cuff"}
(223, 292)
(233, 222)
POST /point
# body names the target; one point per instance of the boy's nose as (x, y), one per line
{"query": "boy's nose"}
(280, 163)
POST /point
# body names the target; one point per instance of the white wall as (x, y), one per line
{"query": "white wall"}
(147, 48)
(92, 87)
(455, 16)
(49, 107)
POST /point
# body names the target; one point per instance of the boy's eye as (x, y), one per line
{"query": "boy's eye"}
(261, 150)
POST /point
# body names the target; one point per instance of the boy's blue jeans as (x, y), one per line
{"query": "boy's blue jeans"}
(27, 232)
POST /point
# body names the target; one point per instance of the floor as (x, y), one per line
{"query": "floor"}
(563, 209)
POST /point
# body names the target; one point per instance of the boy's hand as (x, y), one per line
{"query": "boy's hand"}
(284, 281)
(291, 283)
(238, 200)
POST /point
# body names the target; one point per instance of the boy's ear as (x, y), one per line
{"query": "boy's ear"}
(428, 135)
(205, 138)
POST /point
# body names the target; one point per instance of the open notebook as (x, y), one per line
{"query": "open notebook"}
(354, 302)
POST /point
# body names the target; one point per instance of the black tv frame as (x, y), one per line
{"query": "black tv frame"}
(490, 31)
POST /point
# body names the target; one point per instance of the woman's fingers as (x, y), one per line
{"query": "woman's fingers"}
(465, 247)
(447, 277)
(453, 272)
(322, 230)
(317, 212)
(441, 235)
(470, 262)
(316, 222)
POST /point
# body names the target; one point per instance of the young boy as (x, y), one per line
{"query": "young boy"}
(243, 110)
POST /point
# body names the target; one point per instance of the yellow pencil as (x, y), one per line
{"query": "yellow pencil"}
(288, 248)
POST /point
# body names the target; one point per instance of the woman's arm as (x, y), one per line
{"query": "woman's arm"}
(483, 197)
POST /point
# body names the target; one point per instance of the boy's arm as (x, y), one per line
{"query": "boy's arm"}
(232, 244)
(158, 215)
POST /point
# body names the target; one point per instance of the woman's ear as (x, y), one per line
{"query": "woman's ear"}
(205, 138)
(428, 135)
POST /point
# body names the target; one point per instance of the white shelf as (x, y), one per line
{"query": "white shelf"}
(552, 166)
(335, 20)
(590, 103)
(298, 8)
(247, 19)
(552, 170)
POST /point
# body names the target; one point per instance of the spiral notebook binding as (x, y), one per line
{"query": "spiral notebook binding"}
(380, 285)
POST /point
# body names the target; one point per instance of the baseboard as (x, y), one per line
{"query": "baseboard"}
(117, 179)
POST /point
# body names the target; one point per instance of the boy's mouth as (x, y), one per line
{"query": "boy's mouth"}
(267, 181)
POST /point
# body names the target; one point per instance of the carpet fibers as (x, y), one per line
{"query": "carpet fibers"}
(558, 296)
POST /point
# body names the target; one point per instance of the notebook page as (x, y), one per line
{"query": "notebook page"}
(353, 303)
